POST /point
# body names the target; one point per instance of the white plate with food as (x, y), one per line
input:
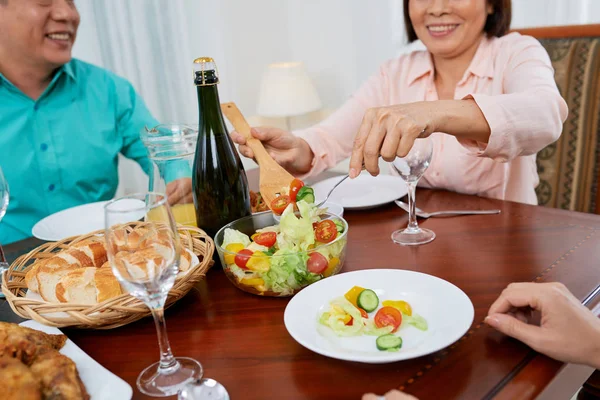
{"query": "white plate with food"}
(74, 221)
(410, 314)
(99, 382)
(363, 192)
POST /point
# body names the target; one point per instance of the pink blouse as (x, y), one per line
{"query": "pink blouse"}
(512, 81)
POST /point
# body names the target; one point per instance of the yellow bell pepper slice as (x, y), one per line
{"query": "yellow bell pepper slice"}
(400, 305)
(232, 248)
(258, 262)
(352, 295)
(333, 263)
(254, 236)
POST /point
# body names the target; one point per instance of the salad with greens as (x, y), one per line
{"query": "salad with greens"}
(281, 259)
(350, 316)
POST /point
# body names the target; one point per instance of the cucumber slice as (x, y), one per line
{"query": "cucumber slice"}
(367, 300)
(388, 342)
(307, 194)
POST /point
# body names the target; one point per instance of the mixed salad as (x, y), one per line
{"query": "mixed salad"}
(350, 315)
(283, 258)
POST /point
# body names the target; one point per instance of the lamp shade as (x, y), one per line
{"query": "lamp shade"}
(286, 91)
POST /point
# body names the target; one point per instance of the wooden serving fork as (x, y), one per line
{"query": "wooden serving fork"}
(274, 179)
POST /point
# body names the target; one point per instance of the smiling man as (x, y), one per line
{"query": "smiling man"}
(63, 122)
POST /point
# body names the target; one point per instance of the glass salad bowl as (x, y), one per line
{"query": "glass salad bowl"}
(283, 256)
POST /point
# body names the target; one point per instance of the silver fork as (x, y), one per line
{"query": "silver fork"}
(448, 213)
(332, 189)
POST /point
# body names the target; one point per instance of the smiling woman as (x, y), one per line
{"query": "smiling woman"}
(487, 99)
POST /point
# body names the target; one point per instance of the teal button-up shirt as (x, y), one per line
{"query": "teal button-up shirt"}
(61, 150)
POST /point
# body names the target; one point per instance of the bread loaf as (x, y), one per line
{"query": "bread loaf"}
(88, 286)
(87, 253)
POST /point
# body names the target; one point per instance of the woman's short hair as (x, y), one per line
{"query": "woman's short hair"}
(497, 23)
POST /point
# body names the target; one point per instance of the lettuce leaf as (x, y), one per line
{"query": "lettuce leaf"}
(288, 272)
(233, 236)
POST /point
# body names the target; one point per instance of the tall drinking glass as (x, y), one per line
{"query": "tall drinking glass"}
(145, 260)
(3, 206)
(411, 168)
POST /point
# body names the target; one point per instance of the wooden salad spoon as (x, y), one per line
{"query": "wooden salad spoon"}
(274, 180)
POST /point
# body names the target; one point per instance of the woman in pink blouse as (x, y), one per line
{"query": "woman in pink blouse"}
(487, 99)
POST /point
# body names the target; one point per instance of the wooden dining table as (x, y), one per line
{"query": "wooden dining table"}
(242, 342)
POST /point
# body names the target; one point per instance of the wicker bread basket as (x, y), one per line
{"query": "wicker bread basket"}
(111, 313)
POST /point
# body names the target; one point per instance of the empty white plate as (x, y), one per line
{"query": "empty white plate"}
(363, 192)
(447, 309)
(78, 220)
(100, 383)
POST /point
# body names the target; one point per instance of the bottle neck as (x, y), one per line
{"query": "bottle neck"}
(209, 109)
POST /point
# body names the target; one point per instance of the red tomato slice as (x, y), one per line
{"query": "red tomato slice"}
(294, 187)
(350, 322)
(241, 258)
(317, 263)
(388, 316)
(363, 313)
(280, 204)
(326, 231)
(266, 239)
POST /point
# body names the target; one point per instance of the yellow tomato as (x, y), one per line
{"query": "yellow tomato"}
(333, 263)
(232, 248)
(400, 305)
(258, 262)
(352, 295)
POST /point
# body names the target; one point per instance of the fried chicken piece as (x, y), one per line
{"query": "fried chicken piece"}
(17, 382)
(58, 376)
(24, 343)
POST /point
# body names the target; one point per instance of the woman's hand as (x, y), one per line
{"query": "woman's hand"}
(391, 395)
(568, 331)
(288, 150)
(390, 132)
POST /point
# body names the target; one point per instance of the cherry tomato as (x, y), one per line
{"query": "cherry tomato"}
(280, 204)
(363, 313)
(388, 316)
(317, 263)
(326, 231)
(242, 257)
(294, 187)
(267, 239)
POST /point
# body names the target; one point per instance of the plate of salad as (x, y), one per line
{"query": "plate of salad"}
(266, 257)
(379, 316)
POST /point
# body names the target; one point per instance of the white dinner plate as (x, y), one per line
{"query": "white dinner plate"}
(100, 383)
(363, 192)
(447, 309)
(75, 221)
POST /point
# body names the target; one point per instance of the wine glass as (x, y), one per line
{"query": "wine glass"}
(145, 260)
(411, 168)
(3, 206)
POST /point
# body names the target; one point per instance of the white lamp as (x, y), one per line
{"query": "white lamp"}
(286, 91)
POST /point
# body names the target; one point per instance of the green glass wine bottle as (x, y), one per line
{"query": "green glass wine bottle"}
(219, 182)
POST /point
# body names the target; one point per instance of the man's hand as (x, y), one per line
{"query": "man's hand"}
(180, 191)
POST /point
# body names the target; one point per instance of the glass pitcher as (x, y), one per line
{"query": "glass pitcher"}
(171, 147)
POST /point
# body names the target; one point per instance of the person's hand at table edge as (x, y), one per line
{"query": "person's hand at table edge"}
(568, 331)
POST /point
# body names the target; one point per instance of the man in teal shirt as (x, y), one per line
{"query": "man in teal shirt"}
(62, 122)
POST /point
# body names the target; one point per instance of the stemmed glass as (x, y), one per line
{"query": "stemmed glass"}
(411, 168)
(145, 260)
(3, 206)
